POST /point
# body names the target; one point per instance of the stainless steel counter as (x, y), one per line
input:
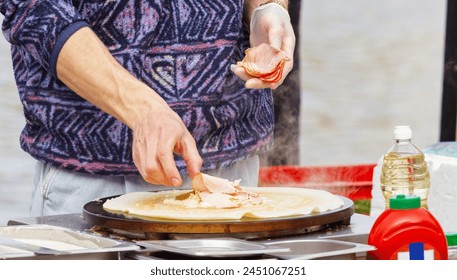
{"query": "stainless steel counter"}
(322, 243)
(357, 231)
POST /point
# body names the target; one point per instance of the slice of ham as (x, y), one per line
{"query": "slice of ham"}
(220, 200)
(254, 198)
(203, 182)
(222, 193)
(265, 62)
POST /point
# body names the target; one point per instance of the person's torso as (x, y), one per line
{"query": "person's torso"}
(183, 50)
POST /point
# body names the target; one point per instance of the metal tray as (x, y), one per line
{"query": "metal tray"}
(308, 249)
(217, 247)
(7, 252)
(66, 243)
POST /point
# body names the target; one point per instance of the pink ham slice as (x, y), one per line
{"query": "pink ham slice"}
(203, 182)
(265, 62)
(222, 193)
(220, 200)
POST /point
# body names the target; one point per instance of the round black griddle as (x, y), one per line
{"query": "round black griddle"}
(249, 228)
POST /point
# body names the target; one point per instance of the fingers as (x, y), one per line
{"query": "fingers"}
(155, 161)
(154, 146)
(288, 44)
(191, 156)
(275, 37)
(240, 72)
(149, 166)
(256, 83)
(251, 81)
(284, 40)
(187, 148)
(167, 162)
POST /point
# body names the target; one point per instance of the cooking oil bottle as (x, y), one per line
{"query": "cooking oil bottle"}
(404, 170)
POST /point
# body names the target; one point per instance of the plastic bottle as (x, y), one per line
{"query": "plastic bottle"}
(404, 170)
(452, 245)
(407, 231)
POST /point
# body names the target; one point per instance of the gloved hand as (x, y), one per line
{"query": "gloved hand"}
(270, 24)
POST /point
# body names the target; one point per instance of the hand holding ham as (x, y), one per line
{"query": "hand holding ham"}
(158, 134)
(270, 25)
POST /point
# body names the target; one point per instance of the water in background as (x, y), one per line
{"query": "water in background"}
(16, 167)
(366, 66)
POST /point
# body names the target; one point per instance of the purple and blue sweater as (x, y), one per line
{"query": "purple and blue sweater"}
(181, 48)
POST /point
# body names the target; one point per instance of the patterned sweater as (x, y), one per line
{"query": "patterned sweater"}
(181, 48)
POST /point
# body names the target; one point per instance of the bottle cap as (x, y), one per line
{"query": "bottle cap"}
(451, 239)
(402, 132)
(403, 202)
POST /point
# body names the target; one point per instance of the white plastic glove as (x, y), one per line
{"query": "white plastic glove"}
(270, 24)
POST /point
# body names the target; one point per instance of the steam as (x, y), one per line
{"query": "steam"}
(353, 181)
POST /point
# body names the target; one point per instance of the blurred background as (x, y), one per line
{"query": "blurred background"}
(365, 66)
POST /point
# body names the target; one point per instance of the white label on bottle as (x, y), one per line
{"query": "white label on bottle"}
(416, 252)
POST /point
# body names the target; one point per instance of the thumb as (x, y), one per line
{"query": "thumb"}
(275, 37)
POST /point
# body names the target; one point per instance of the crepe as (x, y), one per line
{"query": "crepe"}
(276, 202)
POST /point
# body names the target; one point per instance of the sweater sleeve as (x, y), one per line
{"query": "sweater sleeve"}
(40, 27)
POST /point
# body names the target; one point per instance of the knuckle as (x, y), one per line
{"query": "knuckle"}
(162, 153)
(199, 161)
(151, 171)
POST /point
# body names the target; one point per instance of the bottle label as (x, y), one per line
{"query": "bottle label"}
(416, 251)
